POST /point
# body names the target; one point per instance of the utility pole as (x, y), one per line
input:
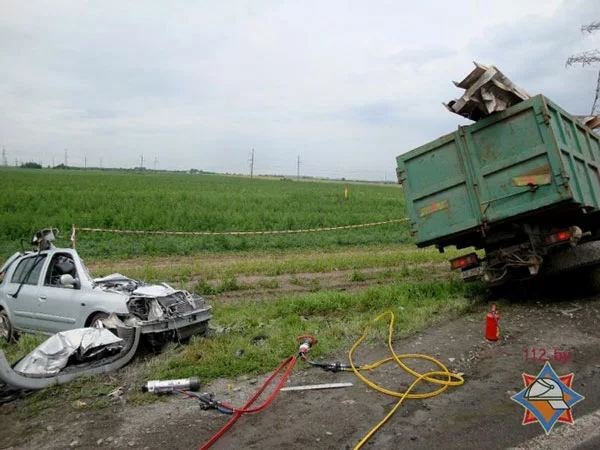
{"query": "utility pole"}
(298, 170)
(252, 164)
(155, 162)
(66, 158)
(53, 160)
(85, 162)
(142, 160)
(587, 59)
(100, 163)
(4, 160)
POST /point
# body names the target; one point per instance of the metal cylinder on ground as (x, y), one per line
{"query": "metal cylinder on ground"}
(166, 386)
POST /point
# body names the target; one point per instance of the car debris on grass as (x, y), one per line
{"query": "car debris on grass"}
(73, 346)
(94, 366)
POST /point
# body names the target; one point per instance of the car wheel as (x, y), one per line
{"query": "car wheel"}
(96, 320)
(6, 329)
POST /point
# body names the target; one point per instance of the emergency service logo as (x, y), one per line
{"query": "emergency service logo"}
(547, 398)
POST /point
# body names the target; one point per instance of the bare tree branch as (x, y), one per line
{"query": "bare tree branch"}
(590, 28)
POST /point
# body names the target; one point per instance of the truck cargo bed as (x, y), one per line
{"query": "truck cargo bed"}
(533, 159)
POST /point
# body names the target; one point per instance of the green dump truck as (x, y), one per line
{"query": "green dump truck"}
(522, 184)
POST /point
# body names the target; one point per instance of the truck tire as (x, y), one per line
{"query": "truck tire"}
(594, 279)
(584, 255)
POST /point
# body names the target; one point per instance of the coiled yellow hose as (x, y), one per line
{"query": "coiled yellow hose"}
(443, 377)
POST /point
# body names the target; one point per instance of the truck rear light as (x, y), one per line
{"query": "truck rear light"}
(561, 236)
(464, 261)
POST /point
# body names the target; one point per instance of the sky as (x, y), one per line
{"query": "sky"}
(343, 86)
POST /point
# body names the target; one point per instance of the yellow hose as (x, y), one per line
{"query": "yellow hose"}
(443, 377)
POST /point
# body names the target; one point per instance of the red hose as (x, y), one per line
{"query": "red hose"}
(289, 362)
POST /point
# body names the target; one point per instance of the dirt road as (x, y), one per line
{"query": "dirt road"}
(478, 414)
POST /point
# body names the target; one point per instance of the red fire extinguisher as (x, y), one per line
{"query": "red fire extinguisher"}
(492, 328)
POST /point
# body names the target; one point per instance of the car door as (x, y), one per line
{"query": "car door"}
(22, 292)
(60, 305)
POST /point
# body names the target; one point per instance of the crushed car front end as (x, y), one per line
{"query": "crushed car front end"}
(160, 311)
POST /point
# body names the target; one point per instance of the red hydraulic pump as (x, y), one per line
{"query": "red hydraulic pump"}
(492, 328)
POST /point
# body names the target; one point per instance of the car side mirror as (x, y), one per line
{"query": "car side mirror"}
(68, 280)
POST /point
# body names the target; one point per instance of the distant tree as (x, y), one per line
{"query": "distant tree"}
(31, 165)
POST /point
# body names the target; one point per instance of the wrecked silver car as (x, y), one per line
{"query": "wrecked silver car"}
(50, 290)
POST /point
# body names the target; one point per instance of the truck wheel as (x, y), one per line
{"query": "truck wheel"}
(96, 320)
(584, 255)
(6, 329)
(594, 279)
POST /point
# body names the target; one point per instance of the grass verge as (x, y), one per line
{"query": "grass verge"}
(336, 319)
(26, 343)
(271, 264)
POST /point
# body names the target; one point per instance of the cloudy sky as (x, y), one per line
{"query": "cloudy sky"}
(344, 85)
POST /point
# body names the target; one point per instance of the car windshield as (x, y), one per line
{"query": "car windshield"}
(86, 271)
(9, 262)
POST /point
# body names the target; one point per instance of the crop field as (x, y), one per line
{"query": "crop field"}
(34, 199)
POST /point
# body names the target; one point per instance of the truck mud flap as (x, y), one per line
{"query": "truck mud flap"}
(584, 255)
(18, 381)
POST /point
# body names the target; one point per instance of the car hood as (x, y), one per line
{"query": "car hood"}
(150, 302)
(122, 284)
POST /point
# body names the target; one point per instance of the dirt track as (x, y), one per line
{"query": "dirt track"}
(476, 415)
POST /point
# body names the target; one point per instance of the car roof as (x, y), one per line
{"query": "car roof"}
(19, 255)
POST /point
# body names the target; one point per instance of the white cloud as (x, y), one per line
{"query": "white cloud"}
(345, 85)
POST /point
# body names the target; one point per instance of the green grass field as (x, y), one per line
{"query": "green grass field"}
(33, 199)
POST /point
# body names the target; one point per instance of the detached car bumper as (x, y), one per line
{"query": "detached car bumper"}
(185, 324)
(181, 326)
